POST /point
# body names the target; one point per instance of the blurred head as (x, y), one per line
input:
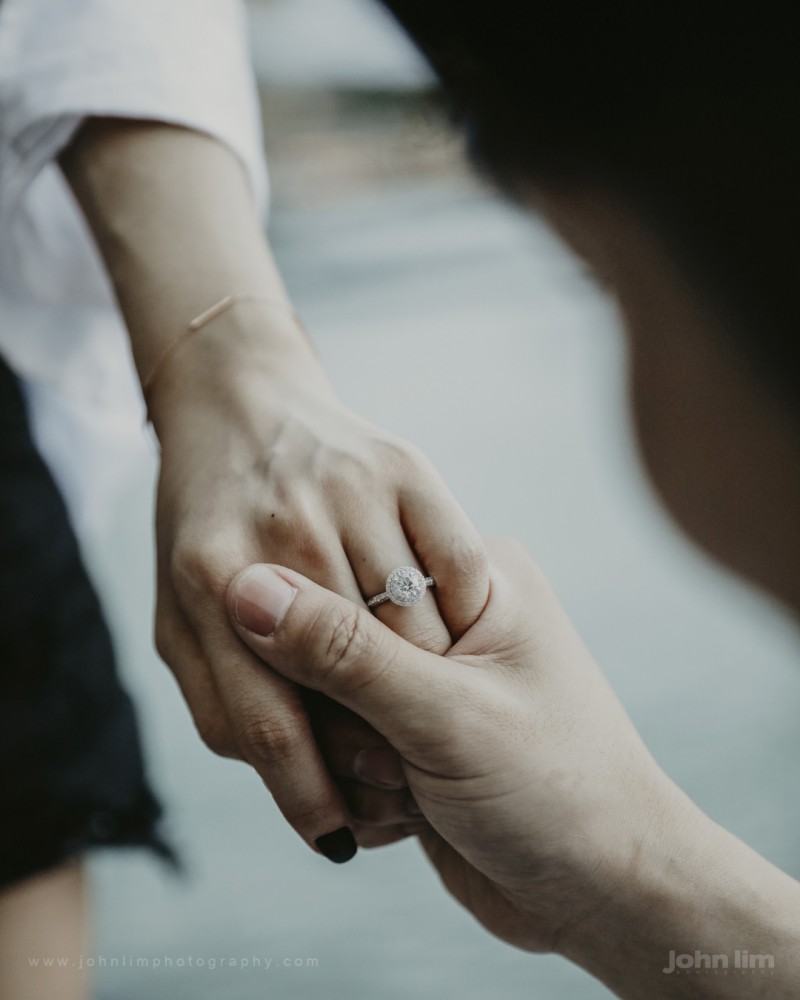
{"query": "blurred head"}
(660, 141)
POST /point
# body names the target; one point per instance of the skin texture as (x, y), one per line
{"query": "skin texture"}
(547, 818)
(45, 917)
(260, 460)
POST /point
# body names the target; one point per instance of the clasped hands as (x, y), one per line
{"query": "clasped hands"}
(476, 720)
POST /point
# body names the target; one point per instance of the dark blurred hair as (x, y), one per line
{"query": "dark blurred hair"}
(689, 112)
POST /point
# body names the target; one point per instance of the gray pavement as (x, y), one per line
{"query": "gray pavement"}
(442, 312)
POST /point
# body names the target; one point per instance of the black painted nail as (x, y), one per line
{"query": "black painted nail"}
(338, 846)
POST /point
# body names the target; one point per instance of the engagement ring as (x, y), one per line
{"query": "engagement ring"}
(404, 586)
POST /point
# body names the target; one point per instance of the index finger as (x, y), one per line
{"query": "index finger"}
(272, 729)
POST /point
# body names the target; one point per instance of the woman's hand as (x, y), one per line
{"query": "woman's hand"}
(545, 815)
(261, 462)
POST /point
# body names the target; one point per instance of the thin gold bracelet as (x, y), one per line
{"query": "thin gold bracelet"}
(201, 320)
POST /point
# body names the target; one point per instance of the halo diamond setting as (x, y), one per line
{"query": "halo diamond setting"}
(405, 586)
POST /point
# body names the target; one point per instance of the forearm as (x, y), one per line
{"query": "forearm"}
(173, 217)
(699, 915)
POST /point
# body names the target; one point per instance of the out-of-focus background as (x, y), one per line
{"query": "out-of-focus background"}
(439, 309)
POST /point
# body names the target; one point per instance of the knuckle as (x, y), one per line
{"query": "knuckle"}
(343, 645)
(269, 741)
(469, 556)
(401, 456)
(215, 734)
(348, 468)
(464, 570)
(201, 567)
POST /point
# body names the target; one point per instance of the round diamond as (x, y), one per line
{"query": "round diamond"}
(405, 586)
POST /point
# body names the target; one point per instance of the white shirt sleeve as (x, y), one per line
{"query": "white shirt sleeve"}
(184, 62)
(180, 61)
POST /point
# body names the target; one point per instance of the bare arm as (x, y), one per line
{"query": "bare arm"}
(173, 216)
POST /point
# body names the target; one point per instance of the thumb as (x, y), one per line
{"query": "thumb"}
(326, 642)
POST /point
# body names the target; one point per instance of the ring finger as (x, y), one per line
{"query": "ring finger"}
(372, 561)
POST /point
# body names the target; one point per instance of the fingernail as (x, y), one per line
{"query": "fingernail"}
(338, 846)
(412, 808)
(380, 766)
(261, 599)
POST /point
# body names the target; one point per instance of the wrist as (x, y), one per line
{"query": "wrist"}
(684, 890)
(252, 355)
(173, 217)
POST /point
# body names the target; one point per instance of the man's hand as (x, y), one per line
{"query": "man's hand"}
(546, 816)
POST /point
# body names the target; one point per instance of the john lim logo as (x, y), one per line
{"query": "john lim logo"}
(699, 962)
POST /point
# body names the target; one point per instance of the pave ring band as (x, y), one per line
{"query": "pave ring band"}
(404, 586)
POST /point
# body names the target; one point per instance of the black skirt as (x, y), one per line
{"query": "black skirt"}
(71, 769)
